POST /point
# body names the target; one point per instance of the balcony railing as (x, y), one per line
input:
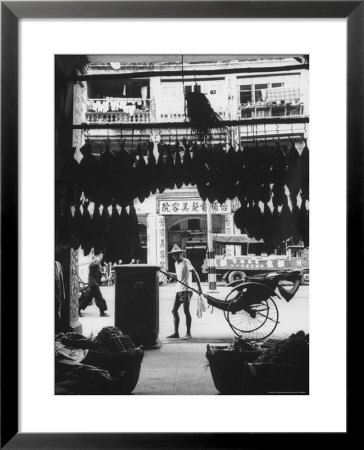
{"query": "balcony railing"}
(117, 110)
(180, 117)
(117, 117)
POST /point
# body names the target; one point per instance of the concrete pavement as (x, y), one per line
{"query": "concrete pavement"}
(179, 367)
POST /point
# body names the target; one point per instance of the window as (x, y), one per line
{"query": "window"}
(258, 91)
(277, 85)
(188, 89)
(197, 88)
(245, 93)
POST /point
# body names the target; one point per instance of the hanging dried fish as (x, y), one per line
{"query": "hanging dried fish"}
(72, 178)
(305, 172)
(265, 191)
(241, 163)
(187, 167)
(108, 176)
(200, 168)
(114, 237)
(279, 169)
(268, 231)
(98, 231)
(178, 167)
(64, 224)
(152, 169)
(160, 171)
(76, 229)
(293, 175)
(231, 173)
(134, 240)
(89, 173)
(125, 186)
(103, 229)
(169, 168)
(285, 223)
(86, 235)
(304, 224)
(296, 234)
(240, 216)
(141, 176)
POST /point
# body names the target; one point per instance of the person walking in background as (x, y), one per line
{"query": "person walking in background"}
(93, 290)
(184, 270)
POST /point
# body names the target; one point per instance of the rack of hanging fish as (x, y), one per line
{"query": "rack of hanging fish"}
(270, 181)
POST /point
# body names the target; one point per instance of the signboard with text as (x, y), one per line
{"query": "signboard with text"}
(192, 207)
(255, 263)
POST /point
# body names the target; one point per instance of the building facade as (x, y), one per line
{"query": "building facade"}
(179, 216)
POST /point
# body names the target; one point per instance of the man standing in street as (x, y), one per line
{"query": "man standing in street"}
(184, 271)
(93, 290)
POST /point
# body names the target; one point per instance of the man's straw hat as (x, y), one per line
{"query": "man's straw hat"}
(176, 249)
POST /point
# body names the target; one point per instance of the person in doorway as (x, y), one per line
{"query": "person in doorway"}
(184, 270)
(93, 290)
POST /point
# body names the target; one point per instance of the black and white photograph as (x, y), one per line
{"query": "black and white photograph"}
(182, 224)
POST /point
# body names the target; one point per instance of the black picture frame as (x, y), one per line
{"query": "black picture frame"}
(11, 12)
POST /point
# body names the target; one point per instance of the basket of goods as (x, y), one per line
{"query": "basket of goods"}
(117, 354)
(229, 365)
(283, 367)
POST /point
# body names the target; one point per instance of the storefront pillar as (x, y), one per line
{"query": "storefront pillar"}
(74, 292)
(229, 229)
(211, 267)
(157, 243)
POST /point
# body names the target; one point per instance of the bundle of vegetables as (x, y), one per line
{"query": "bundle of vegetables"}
(242, 345)
(74, 340)
(111, 339)
(293, 350)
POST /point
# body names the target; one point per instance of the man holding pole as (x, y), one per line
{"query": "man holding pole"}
(184, 271)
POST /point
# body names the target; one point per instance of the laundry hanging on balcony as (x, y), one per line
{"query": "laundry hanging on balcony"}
(277, 95)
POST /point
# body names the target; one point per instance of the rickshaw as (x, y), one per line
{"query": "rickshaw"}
(249, 307)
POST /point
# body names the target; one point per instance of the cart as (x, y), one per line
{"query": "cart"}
(249, 307)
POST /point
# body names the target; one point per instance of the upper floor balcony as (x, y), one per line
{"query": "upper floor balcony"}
(117, 110)
(262, 109)
(181, 117)
(270, 102)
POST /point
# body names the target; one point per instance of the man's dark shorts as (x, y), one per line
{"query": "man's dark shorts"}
(184, 297)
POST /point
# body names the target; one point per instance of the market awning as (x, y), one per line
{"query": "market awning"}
(235, 239)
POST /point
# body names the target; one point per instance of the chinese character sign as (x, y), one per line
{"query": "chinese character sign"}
(192, 207)
(229, 229)
(161, 242)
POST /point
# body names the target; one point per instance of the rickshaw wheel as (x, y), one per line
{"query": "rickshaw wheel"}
(256, 321)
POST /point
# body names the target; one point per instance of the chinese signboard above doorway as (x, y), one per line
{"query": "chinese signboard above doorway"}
(192, 207)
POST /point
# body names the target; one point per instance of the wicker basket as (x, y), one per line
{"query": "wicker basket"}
(123, 365)
(230, 370)
(271, 378)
